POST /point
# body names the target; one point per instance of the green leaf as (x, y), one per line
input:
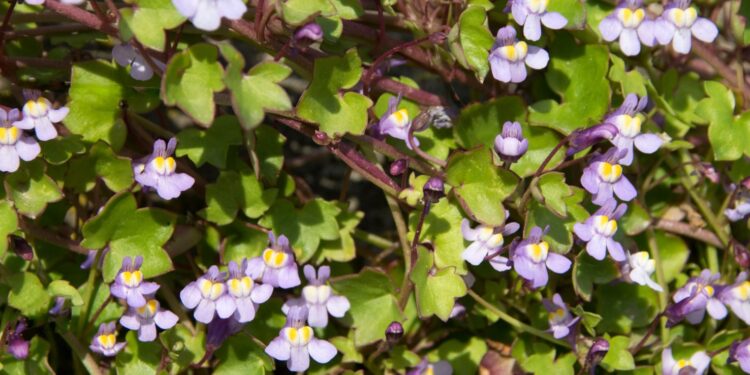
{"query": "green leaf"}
(464, 356)
(8, 224)
(625, 306)
(575, 73)
(442, 228)
(368, 292)
(110, 312)
(62, 288)
(241, 355)
(588, 271)
(480, 186)
(210, 145)
(304, 227)
(480, 123)
(269, 145)
(618, 357)
(435, 290)
(541, 142)
(297, 12)
(129, 231)
(59, 150)
(322, 102)
(243, 242)
(97, 89)
(682, 95)
(148, 20)
(553, 191)
(674, 254)
(31, 190)
(257, 91)
(572, 10)
(191, 79)
(345, 346)
(726, 132)
(636, 219)
(102, 162)
(476, 39)
(538, 358)
(589, 319)
(138, 357)
(185, 347)
(28, 295)
(35, 363)
(233, 191)
(560, 235)
(401, 358)
(342, 249)
(632, 82)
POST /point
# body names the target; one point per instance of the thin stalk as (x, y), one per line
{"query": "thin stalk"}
(661, 279)
(86, 358)
(90, 293)
(373, 239)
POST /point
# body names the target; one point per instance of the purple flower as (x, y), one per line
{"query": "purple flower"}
(697, 364)
(158, 171)
(629, 129)
(105, 341)
(628, 21)
(312, 32)
(532, 13)
(740, 352)
(205, 293)
(276, 266)
(532, 257)
(486, 240)
(508, 56)
(18, 347)
(741, 207)
(396, 122)
(604, 176)
(426, 368)
(14, 144)
(597, 352)
(319, 298)
(599, 229)
(91, 257)
(679, 22)
(125, 55)
(39, 115)
(581, 139)
(144, 319)
(296, 343)
(58, 308)
(510, 144)
(694, 298)
(206, 14)
(737, 297)
(243, 294)
(219, 330)
(640, 270)
(129, 284)
(394, 332)
(560, 319)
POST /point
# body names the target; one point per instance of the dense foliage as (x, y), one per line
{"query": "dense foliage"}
(343, 186)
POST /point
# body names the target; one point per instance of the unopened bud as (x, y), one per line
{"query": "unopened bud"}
(398, 167)
(741, 255)
(312, 32)
(434, 189)
(21, 247)
(394, 332)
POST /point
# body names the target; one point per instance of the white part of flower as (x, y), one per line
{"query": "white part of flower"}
(641, 269)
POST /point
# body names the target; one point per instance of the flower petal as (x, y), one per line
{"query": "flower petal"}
(537, 58)
(610, 28)
(321, 351)
(279, 349)
(558, 263)
(704, 30)
(338, 306)
(554, 20)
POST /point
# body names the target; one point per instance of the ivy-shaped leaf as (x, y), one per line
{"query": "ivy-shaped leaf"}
(442, 228)
(8, 224)
(28, 295)
(191, 79)
(210, 145)
(435, 289)
(233, 191)
(257, 91)
(618, 357)
(475, 40)
(62, 288)
(129, 231)
(139, 357)
(588, 271)
(148, 21)
(59, 150)
(323, 103)
(31, 189)
(342, 249)
(99, 162)
(726, 132)
(552, 191)
(240, 355)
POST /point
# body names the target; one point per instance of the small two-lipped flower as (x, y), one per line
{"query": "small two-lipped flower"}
(628, 122)
(14, 144)
(740, 352)
(486, 240)
(599, 229)
(603, 177)
(207, 14)
(531, 259)
(694, 298)
(396, 122)
(641, 267)
(39, 115)
(105, 340)
(243, 294)
(697, 364)
(737, 297)
(129, 284)
(276, 265)
(510, 144)
(679, 23)
(509, 57)
(158, 171)
(532, 14)
(629, 22)
(296, 343)
(127, 56)
(561, 321)
(319, 298)
(146, 318)
(204, 294)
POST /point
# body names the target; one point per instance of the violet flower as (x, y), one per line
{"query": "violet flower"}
(737, 297)
(396, 122)
(218, 330)
(741, 207)
(679, 23)
(14, 144)
(276, 266)
(628, 123)
(59, 307)
(508, 56)
(125, 55)
(628, 22)
(206, 14)
(39, 115)
(485, 240)
(560, 319)
(146, 318)
(243, 294)
(641, 267)
(296, 343)
(158, 171)
(603, 177)
(599, 229)
(510, 144)
(204, 294)
(435, 368)
(311, 32)
(696, 365)
(532, 13)
(582, 139)
(105, 340)
(129, 284)
(694, 298)
(319, 298)
(740, 352)
(18, 347)
(532, 257)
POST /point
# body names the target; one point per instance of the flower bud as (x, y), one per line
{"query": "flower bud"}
(398, 167)
(21, 247)
(584, 138)
(312, 32)
(18, 347)
(510, 143)
(434, 189)
(394, 332)
(741, 255)
(596, 353)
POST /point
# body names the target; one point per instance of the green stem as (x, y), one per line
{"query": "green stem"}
(373, 239)
(90, 293)
(86, 358)
(664, 295)
(713, 221)
(515, 323)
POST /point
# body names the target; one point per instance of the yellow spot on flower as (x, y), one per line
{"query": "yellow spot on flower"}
(37, 108)
(131, 279)
(605, 226)
(742, 291)
(400, 118)
(631, 18)
(629, 126)
(107, 340)
(683, 363)
(683, 17)
(274, 258)
(709, 290)
(9, 136)
(515, 52)
(164, 165)
(538, 251)
(298, 336)
(610, 172)
(537, 6)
